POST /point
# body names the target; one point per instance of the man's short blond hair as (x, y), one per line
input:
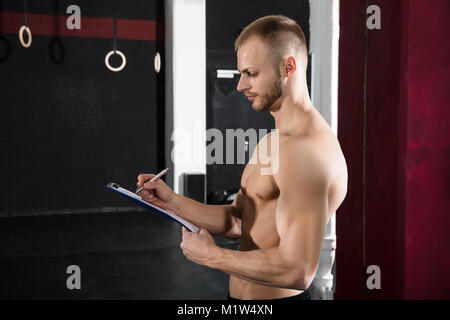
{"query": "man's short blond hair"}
(280, 33)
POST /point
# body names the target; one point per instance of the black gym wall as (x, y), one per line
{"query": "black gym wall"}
(68, 129)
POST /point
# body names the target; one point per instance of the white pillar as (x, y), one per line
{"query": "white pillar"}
(324, 47)
(186, 87)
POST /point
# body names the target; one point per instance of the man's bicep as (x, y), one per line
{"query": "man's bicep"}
(301, 218)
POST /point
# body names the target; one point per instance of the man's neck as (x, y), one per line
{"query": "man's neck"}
(294, 118)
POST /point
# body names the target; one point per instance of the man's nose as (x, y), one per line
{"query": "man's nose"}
(243, 84)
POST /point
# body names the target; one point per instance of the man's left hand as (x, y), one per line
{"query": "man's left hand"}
(198, 247)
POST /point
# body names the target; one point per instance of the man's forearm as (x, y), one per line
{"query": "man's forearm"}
(264, 267)
(217, 219)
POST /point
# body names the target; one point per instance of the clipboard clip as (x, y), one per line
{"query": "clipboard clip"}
(113, 185)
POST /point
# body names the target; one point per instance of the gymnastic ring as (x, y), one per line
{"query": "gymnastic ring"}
(28, 44)
(56, 43)
(157, 62)
(7, 48)
(124, 60)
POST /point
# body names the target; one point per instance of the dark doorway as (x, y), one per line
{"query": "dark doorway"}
(226, 107)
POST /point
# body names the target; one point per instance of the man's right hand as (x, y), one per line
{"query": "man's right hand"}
(156, 192)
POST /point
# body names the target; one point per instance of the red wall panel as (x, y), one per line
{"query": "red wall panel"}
(427, 224)
(382, 107)
(349, 217)
(395, 137)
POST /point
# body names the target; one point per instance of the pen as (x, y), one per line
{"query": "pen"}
(159, 175)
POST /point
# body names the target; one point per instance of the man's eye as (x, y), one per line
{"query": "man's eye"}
(251, 74)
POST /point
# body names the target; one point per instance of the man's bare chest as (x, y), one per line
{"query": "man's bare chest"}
(258, 186)
(260, 195)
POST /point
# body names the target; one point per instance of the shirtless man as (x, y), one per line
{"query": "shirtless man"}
(280, 219)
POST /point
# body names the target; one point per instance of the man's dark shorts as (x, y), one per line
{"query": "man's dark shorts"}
(302, 296)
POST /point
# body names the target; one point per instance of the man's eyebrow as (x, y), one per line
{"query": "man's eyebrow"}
(246, 69)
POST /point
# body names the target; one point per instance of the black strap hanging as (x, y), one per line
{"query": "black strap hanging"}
(115, 36)
(5, 47)
(25, 28)
(55, 47)
(115, 51)
(24, 14)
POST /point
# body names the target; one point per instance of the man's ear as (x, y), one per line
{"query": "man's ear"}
(290, 66)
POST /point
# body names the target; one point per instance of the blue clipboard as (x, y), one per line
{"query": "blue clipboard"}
(148, 206)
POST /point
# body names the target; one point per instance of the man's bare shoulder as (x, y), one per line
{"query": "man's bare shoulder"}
(307, 157)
